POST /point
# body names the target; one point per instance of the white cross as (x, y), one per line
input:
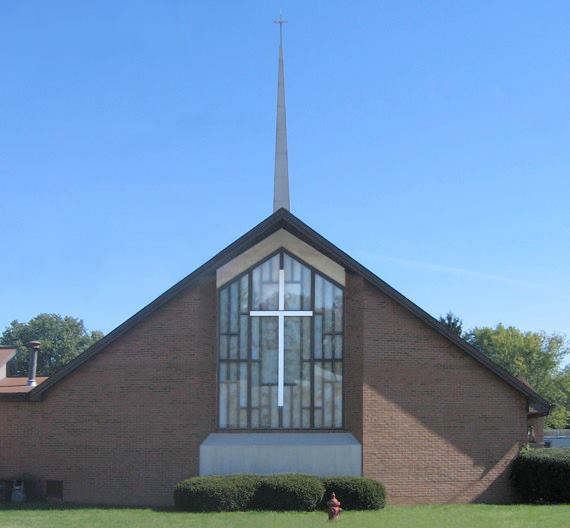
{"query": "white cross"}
(281, 313)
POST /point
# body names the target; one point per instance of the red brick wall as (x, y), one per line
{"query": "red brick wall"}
(127, 425)
(352, 382)
(437, 426)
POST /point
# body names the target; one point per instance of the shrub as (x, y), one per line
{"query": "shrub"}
(289, 492)
(355, 493)
(227, 493)
(277, 492)
(542, 475)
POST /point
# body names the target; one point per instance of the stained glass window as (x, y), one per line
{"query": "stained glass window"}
(313, 349)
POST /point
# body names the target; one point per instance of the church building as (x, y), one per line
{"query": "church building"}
(280, 354)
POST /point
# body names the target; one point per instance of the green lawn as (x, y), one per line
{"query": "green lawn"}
(455, 516)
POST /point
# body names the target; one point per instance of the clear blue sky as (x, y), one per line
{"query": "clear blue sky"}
(429, 140)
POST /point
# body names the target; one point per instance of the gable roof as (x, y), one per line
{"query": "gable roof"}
(283, 219)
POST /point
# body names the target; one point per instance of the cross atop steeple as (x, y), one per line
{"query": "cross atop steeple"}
(280, 21)
(281, 174)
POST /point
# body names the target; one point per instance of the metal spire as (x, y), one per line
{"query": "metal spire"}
(281, 175)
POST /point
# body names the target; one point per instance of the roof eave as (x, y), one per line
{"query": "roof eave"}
(282, 218)
(348, 262)
(270, 224)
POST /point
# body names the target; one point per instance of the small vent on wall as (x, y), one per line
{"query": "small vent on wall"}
(54, 489)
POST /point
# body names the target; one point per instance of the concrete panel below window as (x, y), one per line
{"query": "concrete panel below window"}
(322, 454)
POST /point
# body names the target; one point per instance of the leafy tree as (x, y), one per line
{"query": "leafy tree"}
(454, 323)
(561, 414)
(62, 339)
(563, 381)
(558, 418)
(533, 356)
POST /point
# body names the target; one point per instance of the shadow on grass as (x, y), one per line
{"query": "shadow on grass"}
(61, 506)
(48, 505)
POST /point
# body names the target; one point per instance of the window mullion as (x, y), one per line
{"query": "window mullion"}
(312, 356)
(249, 348)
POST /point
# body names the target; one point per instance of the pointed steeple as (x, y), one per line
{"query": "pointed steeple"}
(281, 175)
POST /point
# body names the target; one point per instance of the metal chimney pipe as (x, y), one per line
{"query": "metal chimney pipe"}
(35, 348)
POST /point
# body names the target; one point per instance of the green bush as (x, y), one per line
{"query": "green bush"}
(355, 493)
(277, 492)
(542, 475)
(227, 493)
(289, 492)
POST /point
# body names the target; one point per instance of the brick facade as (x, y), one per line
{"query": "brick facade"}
(436, 426)
(126, 426)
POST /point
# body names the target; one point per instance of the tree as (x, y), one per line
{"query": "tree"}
(561, 414)
(62, 339)
(533, 356)
(453, 323)
(563, 381)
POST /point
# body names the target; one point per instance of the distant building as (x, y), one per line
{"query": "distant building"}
(557, 438)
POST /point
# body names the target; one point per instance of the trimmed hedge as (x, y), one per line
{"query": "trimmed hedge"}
(289, 492)
(227, 493)
(542, 475)
(355, 493)
(277, 492)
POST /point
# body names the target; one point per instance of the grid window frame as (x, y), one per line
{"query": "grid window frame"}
(330, 369)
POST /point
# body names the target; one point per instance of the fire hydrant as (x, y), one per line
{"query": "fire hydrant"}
(334, 508)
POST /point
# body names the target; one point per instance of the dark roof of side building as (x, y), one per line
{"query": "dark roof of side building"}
(283, 219)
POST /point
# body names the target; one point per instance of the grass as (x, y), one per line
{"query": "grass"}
(448, 516)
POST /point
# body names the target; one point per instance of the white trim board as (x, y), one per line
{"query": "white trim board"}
(275, 241)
